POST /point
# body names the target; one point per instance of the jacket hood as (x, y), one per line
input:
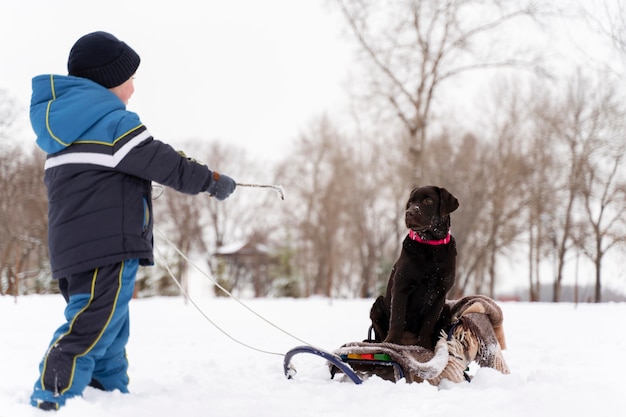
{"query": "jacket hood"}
(64, 109)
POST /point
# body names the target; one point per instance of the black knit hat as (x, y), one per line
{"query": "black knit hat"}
(101, 57)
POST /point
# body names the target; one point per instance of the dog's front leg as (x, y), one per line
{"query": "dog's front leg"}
(397, 315)
(379, 314)
(427, 334)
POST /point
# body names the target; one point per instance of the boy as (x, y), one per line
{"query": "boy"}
(100, 165)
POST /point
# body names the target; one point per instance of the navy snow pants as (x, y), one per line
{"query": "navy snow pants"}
(90, 347)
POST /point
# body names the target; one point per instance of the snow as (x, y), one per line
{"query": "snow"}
(564, 359)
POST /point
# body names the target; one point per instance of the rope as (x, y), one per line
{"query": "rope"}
(210, 278)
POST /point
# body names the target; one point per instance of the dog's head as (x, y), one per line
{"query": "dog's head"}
(428, 211)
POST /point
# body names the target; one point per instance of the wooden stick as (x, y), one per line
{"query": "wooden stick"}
(276, 188)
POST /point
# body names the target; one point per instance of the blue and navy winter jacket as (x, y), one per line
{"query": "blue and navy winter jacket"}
(100, 165)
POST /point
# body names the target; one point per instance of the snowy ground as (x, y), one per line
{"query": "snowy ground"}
(565, 361)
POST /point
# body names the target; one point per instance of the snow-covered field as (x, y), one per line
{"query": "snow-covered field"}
(565, 360)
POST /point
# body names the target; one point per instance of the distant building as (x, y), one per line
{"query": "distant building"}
(245, 266)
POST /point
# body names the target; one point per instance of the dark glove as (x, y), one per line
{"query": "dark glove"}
(221, 186)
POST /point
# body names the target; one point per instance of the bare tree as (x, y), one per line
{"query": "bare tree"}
(605, 208)
(575, 123)
(9, 193)
(603, 184)
(542, 200)
(506, 194)
(467, 181)
(377, 196)
(23, 233)
(319, 175)
(182, 228)
(569, 191)
(411, 48)
(23, 221)
(8, 115)
(488, 172)
(251, 215)
(609, 20)
(197, 225)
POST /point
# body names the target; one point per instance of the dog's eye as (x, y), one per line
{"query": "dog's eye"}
(428, 201)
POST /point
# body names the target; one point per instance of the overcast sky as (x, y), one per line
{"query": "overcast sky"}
(248, 72)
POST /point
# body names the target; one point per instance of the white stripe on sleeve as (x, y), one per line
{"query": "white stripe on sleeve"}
(109, 161)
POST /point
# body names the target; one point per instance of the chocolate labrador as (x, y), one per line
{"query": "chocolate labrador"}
(412, 311)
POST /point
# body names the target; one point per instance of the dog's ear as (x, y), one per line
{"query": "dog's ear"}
(447, 202)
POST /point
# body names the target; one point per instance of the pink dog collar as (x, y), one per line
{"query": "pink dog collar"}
(413, 235)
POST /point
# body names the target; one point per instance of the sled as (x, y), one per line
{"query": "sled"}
(361, 360)
(475, 335)
(352, 365)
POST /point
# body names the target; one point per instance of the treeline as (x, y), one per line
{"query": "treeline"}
(537, 169)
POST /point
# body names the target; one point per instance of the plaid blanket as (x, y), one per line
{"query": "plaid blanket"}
(475, 335)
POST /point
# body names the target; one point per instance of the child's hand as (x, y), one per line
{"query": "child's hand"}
(221, 186)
